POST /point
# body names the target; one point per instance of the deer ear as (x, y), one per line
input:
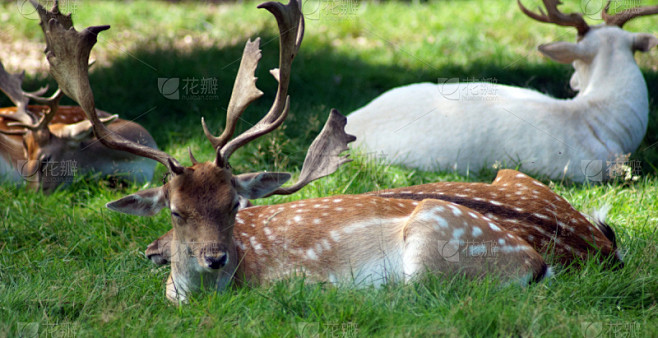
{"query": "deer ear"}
(144, 203)
(643, 42)
(256, 185)
(79, 131)
(562, 52)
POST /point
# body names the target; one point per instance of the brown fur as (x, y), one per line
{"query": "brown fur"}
(526, 207)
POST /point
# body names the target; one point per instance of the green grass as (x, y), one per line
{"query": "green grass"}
(72, 266)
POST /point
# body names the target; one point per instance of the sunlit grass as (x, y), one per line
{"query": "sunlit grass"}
(70, 265)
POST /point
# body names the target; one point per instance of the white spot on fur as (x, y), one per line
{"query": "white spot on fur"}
(477, 231)
(310, 254)
(494, 227)
(297, 218)
(455, 210)
(254, 244)
(457, 233)
(325, 244)
(335, 236)
(542, 216)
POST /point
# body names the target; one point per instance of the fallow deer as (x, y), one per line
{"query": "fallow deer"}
(514, 201)
(457, 126)
(339, 239)
(529, 209)
(45, 145)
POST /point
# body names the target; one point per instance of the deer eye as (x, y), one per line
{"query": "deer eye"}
(175, 214)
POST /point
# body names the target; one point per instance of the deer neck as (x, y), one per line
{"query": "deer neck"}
(615, 101)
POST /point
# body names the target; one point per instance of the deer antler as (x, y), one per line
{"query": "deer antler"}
(245, 86)
(67, 51)
(291, 31)
(555, 16)
(323, 156)
(11, 85)
(621, 18)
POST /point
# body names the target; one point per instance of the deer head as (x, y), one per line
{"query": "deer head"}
(205, 197)
(602, 53)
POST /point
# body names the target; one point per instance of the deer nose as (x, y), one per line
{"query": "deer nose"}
(218, 261)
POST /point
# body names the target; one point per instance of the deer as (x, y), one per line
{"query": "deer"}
(37, 140)
(531, 210)
(468, 127)
(517, 203)
(218, 240)
(45, 145)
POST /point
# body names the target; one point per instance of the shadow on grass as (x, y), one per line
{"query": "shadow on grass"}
(322, 79)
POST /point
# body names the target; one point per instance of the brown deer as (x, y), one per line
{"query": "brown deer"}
(515, 202)
(47, 144)
(341, 239)
(529, 209)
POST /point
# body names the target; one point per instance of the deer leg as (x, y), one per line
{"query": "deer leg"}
(446, 238)
(159, 251)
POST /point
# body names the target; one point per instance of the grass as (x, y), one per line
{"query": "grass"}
(70, 266)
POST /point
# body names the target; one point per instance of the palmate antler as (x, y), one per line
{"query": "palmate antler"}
(291, 29)
(68, 52)
(553, 15)
(621, 18)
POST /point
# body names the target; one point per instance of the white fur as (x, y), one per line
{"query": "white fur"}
(457, 126)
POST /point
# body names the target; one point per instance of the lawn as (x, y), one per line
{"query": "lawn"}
(68, 266)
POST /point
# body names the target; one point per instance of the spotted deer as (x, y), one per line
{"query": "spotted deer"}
(531, 210)
(515, 202)
(455, 126)
(362, 239)
(37, 141)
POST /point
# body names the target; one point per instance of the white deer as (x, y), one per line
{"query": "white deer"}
(470, 126)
